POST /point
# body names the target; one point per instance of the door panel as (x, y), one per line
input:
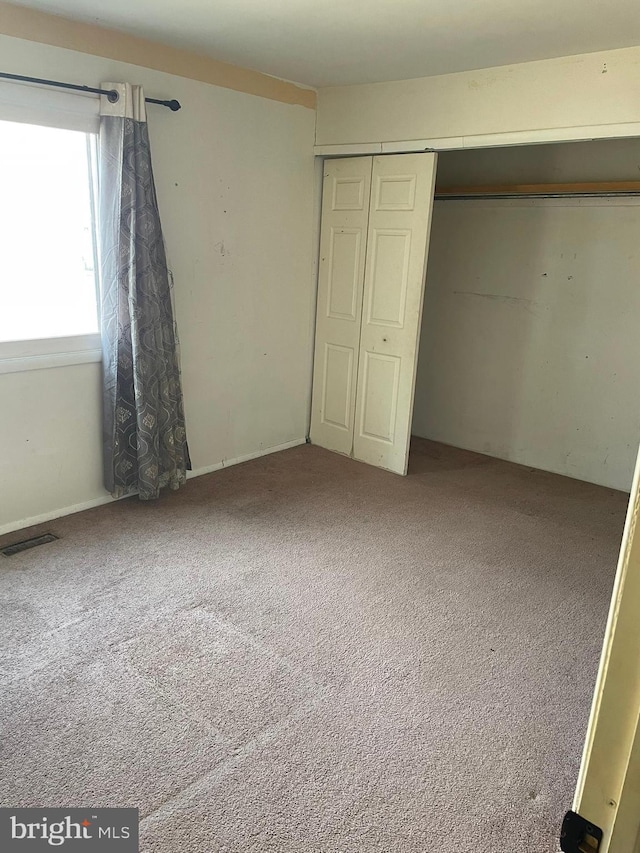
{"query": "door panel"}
(343, 240)
(337, 385)
(345, 251)
(398, 237)
(390, 256)
(379, 386)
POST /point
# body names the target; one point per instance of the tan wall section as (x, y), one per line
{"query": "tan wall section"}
(41, 27)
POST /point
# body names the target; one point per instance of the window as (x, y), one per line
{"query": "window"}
(48, 286)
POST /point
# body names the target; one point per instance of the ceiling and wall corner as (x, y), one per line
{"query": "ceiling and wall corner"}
(336, 43)
(90, 38)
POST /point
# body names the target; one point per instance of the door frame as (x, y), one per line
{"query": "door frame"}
(608, 786)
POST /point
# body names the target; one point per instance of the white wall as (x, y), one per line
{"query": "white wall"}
(530, 348)
(577, 91)
(235, 180)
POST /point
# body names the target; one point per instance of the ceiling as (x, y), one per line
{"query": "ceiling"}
(334, 42)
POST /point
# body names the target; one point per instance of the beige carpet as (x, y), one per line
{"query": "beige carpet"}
(303, 653)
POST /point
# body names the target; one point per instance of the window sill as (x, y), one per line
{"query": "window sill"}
(17, 356)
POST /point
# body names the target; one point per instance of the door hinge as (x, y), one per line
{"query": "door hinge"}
(578, 835)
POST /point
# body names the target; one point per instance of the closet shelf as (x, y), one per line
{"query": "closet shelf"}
(591, 190)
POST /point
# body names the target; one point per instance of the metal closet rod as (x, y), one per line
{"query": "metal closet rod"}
(111, 94)
(466, 196)
(591, 189)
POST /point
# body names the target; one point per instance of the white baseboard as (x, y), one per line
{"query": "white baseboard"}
(226, 463)
(54, 513)
(107, 499)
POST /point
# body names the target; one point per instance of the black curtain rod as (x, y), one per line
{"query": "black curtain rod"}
(111, 94)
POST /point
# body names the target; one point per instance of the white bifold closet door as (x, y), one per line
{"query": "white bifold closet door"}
(343, 244)
(376, 219)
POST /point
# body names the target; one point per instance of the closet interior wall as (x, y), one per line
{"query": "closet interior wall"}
(529, 348)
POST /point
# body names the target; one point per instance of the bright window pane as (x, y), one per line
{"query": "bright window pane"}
(47, 276)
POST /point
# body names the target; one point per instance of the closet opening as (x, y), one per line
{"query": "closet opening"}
(529, 351)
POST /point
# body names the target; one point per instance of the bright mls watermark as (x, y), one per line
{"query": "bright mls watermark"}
(82, 830)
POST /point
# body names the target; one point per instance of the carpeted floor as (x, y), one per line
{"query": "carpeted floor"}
(303, 653)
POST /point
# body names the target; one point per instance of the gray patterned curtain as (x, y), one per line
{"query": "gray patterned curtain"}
(145, 444)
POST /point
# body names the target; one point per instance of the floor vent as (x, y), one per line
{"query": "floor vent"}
(10, 550)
